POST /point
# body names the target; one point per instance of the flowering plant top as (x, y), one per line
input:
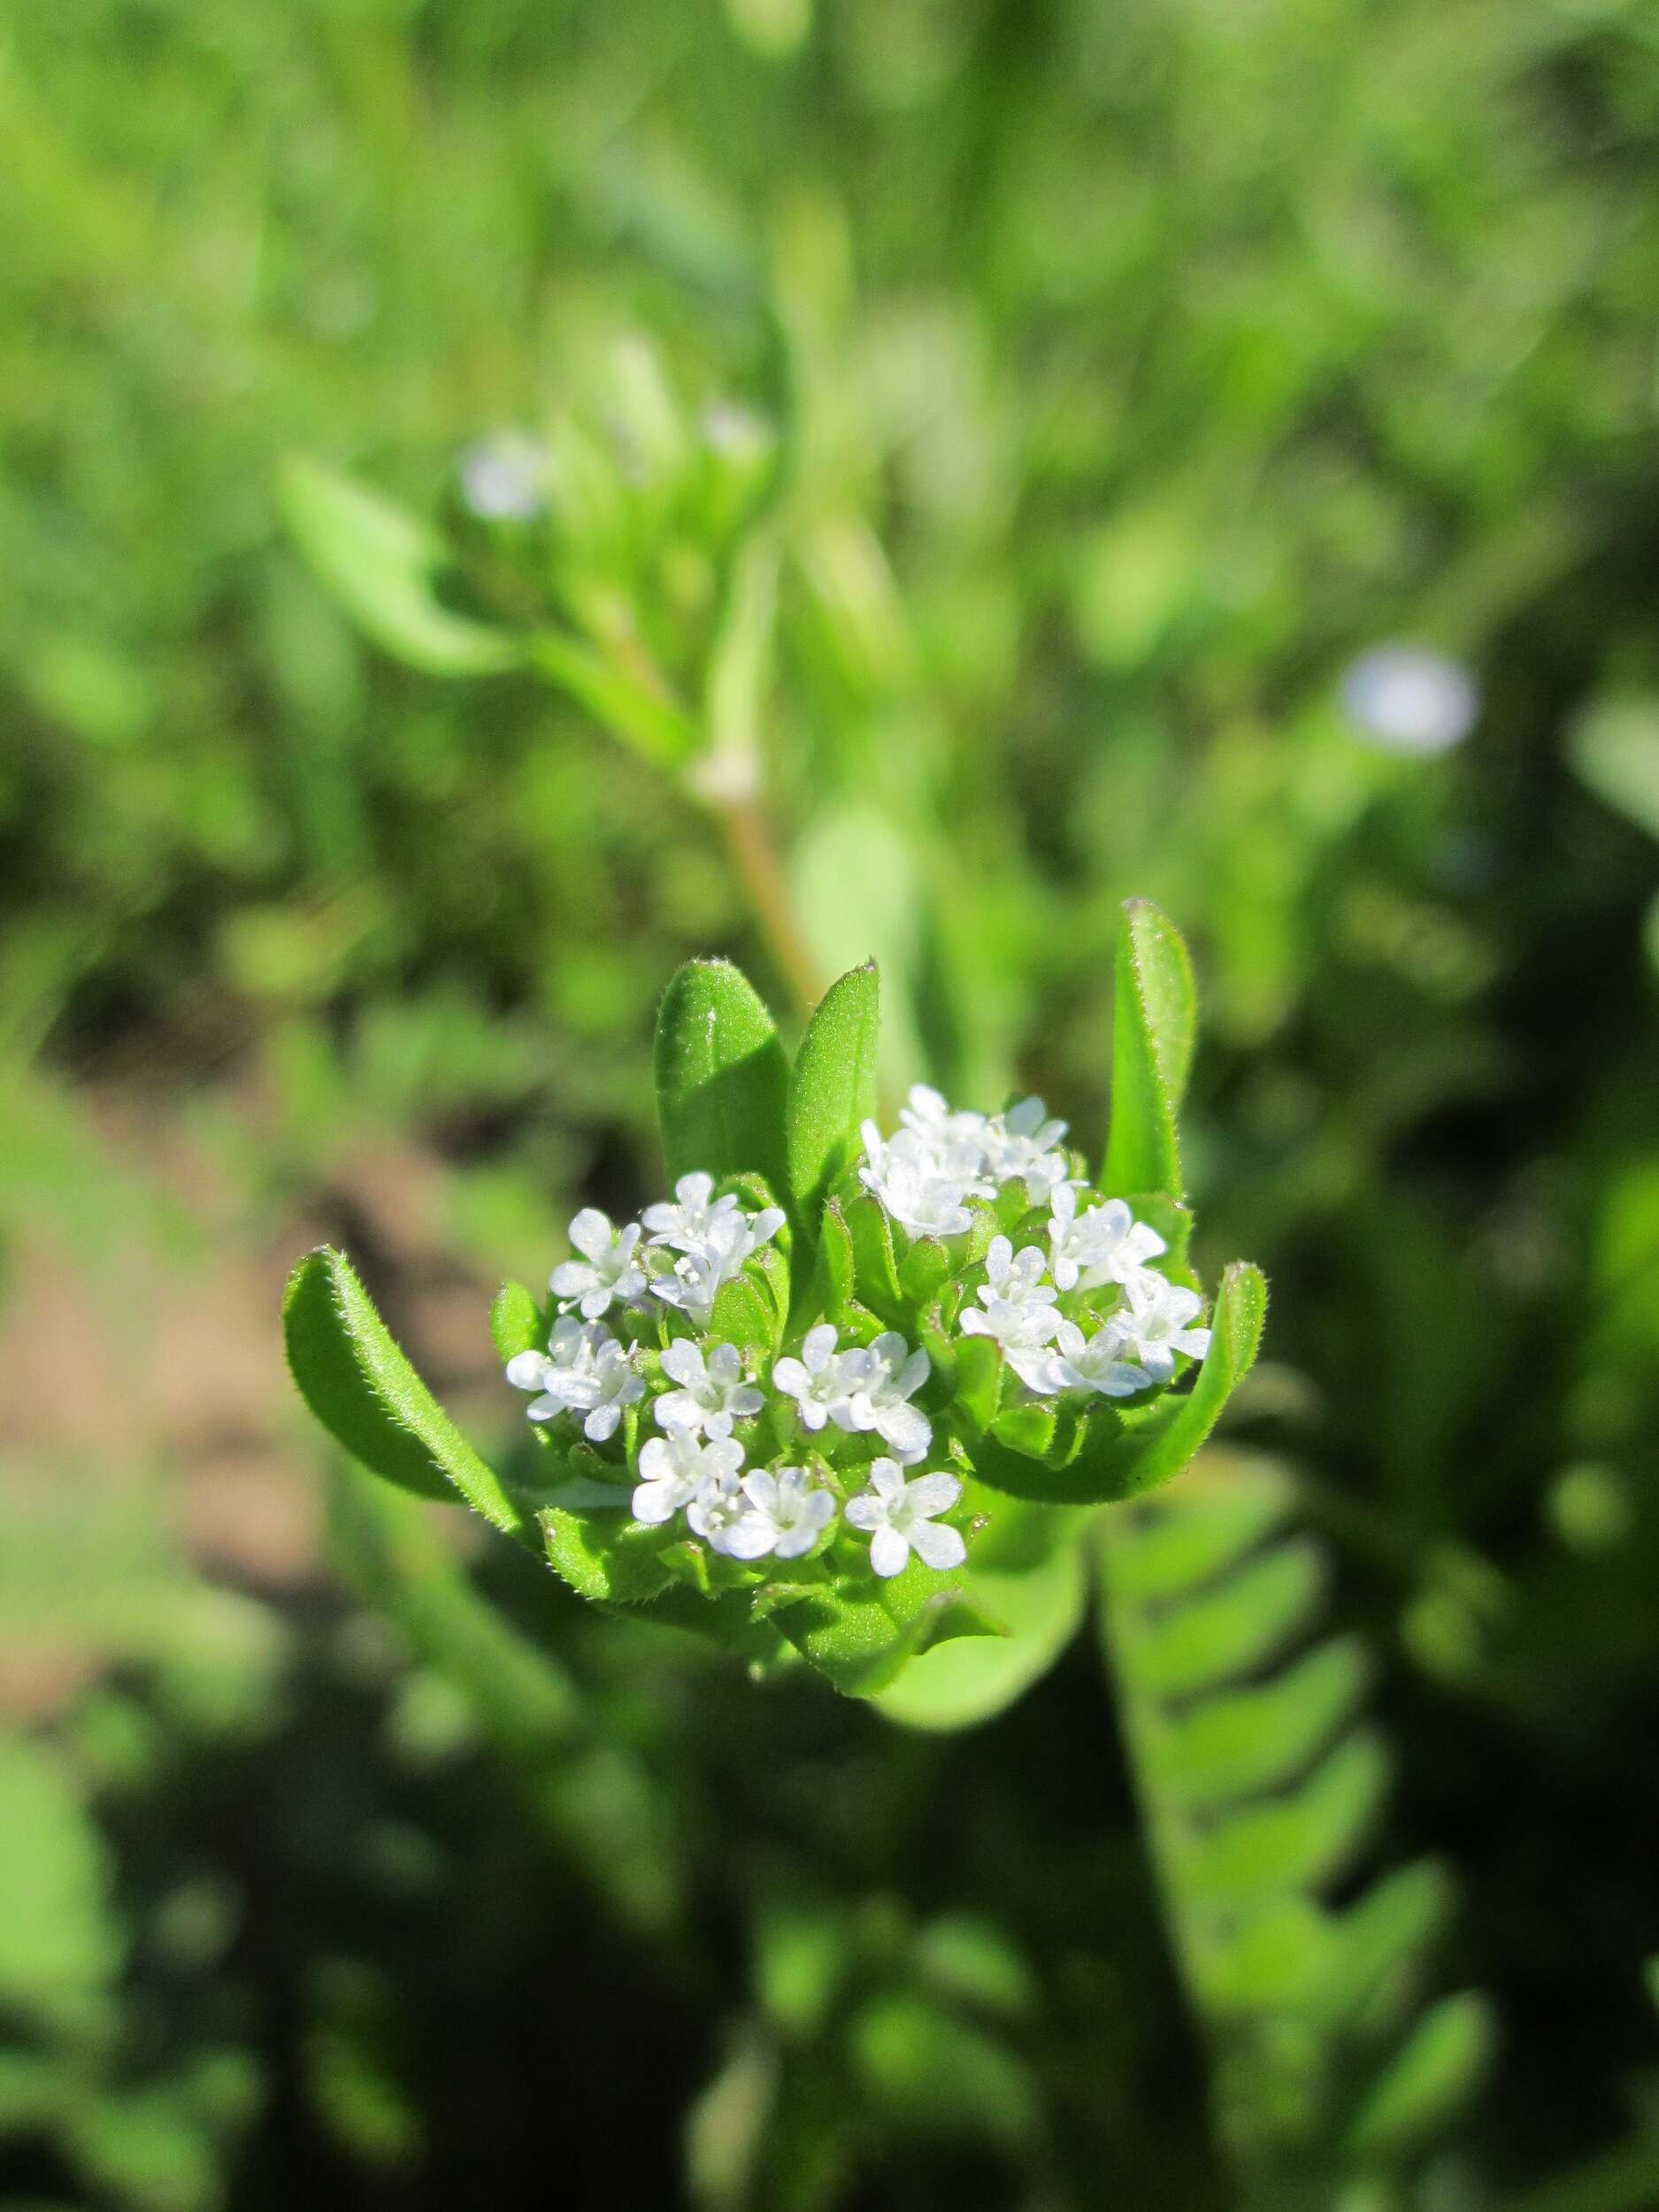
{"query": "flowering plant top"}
(825, 1399)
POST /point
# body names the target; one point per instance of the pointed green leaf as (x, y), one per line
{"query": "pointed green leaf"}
(382, 564)
(515, 1322)
(876, 1265)
(834, 1273)
(365, 1393)
(604, 1553)
(1379, 1947)
(833, 1089)
(1302, 1841)
(1251, 1741)
(1187, 1538)
(721, 1076)
(1153, 1022)
(1429, 2082)
(642, 713)
(1227, 1632)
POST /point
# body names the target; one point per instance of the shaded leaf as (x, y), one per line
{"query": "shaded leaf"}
(365, 1393)
(722, 1077)
(833, 1089)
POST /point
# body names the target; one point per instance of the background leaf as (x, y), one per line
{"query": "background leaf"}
(383, 565)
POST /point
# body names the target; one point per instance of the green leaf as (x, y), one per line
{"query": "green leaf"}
(515, 1322)
(382, 564)
(1257, 1740)
(833, 1089)
(833, 1268)
(1229, 1506)
(60, 1941)
(604, 1554)
(1238, 1626)
(860, 1631)
(1155, 1016)
(1615, 749)
(722, 1079)
(745, 1316)
(1379, 1948)
(1429, 2082)
(1295, 1842)
(642, 713)
(876, 1267)
(365, 1393)
(1040, 1601)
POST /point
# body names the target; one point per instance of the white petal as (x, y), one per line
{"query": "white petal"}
(939, 1548)
(745, 1402)
(653, 1503)
(656, 1460)
(570, 1279)
(749, 1537)
(544, 1409)
(1195, 1342)
(866, 1511)
(524, 1370)
(819, 1345)
(590, 1231)
(791, 1378)
(695, 1189)
(888, 1551)
(931, 1494)
(906, 1428)
(602, 1423)
(760, 1487)
(887, 1480)
(682, 1360)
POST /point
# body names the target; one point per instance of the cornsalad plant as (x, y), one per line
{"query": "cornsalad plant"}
(847, 1395)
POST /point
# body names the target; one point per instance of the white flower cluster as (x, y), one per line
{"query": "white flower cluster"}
(697, 1243)
(927, 1173)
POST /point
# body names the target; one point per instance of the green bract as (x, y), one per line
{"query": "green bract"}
(848, 1398)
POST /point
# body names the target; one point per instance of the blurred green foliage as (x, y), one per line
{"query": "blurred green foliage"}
(1121, 372)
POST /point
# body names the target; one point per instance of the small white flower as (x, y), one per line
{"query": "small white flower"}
(584, 1371)
(713, 1393)
(1104, 1245)
(1022, 1144)
(1081, 1362)
(503, 479)
(814, 1380)
(925, 1194)
(794, 1506)
(1152, 1325)
(1018, 1310)
(700, 1273)
(608, 1268)
(726, 1517)
(686, 1223)
(673, 1468)
(876, 1382)
(899, 1517)
(947, 1135)
(1407, 700)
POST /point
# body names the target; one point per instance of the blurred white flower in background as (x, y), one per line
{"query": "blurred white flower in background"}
(1408, 700)
(504, 478)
